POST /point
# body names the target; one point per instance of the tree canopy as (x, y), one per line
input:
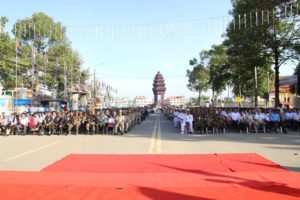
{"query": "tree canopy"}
(263, 35)
(198, 78)
(47, 38)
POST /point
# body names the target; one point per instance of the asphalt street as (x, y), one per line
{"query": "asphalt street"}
(156, 135)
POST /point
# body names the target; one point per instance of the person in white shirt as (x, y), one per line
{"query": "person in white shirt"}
(297, 119)
(189, 121)
(181, 118)
(259, 118)
(290, 117)
(24, 120)
(28, 108)
(6, 122)
(175, 118)
(268, 122)
(297, 116)
(39, 119)
(223, 113)
(250, 119)
(235, 117)
(40, 109)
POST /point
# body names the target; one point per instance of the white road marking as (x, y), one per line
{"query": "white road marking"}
(158, 138)
(33, 150)
(155, 144)
(151, 149)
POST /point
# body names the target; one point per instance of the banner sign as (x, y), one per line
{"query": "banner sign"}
(21, 102)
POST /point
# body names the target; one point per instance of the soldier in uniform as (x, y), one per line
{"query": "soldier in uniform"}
(209, 122)
(65, 120)
(56, 123)
(119, 123)
(76, 122)
(126, 114)
(48, 123)
(70, 123)
(84, 122)
(139, 116)
(102, 121)
(91, 122)
(220, 122)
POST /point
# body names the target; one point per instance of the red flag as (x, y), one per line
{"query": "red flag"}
(17, 48)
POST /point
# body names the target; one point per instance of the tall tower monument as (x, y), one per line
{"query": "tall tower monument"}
(159, 88)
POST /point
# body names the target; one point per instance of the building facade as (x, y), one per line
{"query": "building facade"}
(142, 101)
(176, 101)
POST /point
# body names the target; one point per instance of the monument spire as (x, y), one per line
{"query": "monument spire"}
(159, 88)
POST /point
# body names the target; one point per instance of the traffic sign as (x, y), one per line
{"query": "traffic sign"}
(238, 99)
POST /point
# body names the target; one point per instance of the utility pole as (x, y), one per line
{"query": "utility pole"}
(17, 51)
(65, 79)
(46, 66)
(255, 91)
(268, 74)
(296, 86)
(33, 71)
(37, 78)
(71, 75)
(228, 92)
(94, 87)
(79, 76)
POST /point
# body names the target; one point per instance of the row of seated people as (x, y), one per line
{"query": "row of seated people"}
(218, 120)
(63, 122)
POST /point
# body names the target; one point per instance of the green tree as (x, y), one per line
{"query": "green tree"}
(45, 36)
(198, 78)
(7, 67)
(40, 31)
(262, 33)
(219, 72)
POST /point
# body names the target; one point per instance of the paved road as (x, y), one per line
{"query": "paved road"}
(154, 136)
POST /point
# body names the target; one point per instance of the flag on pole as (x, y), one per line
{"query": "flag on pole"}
(46, 66)
(33, 57)
(17, 48)
(46, 59)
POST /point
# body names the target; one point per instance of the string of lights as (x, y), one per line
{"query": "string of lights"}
(163, 29)
(136, 77)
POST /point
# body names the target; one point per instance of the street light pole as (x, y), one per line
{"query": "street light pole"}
(268, 74)
(255, 74)
(94, 87)
(65, 80)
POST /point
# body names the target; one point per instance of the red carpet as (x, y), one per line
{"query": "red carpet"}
(163, 163)
(167, 177)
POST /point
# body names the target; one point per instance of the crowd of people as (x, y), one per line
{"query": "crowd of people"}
(109, 121)
(219, 120)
